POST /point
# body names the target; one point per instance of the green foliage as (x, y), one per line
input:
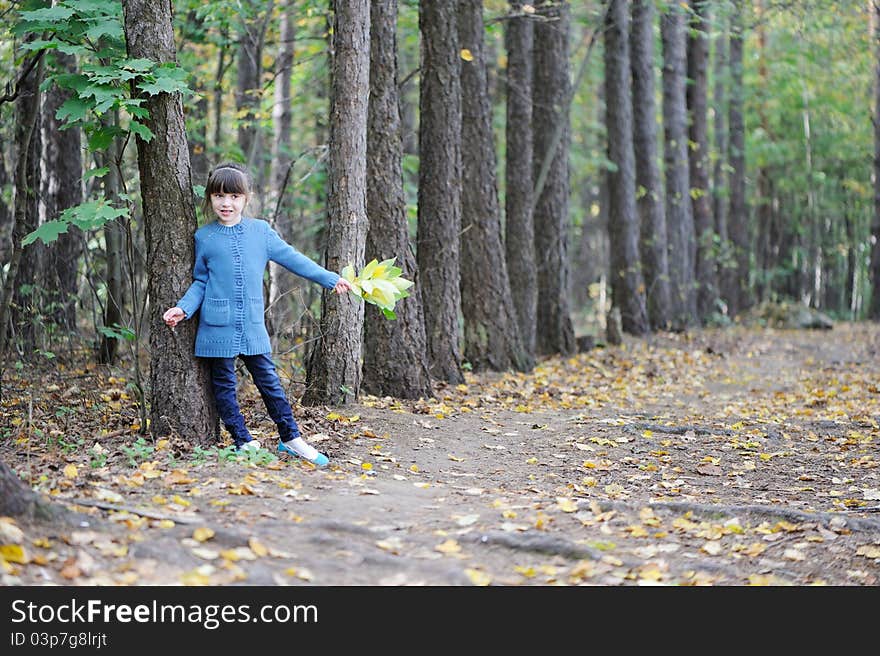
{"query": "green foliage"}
(138, 452)
(87, 216)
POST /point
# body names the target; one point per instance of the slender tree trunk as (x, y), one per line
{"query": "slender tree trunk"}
(6, 217)
(679, 214)
(28, 294)
(491, 334)
(334, 367)
(248, 91)
(697, 102)
(554, 330)
(649, 184)
(218, 93)
(114, 245)
(627, 282)
(282, 120)
(395, 358)
(720, 192)
(874, 311)
(27, 112)
(181, 400)
(61, 189)
(519, 221)
(439, 195)
(738, 222)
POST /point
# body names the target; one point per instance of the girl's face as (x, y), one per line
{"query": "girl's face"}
(228, 206)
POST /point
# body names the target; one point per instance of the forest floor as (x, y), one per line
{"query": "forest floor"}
(728, 457)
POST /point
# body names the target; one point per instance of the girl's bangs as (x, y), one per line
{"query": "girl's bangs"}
(228, 181)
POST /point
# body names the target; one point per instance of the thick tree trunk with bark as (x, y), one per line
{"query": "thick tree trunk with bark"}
(249, 89)
(439, 195)
(491, 333)
(649, 183)
(62, 188)
(181, 399)
(27, 112)
(334, 367)
(554, 330)
(395, 357)
(738, 220)
(519, 224)
(697, 103)
(18, 500)
(679, 214)
(627, 282)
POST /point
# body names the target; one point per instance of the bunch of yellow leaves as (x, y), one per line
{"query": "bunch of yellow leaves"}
(379, 283)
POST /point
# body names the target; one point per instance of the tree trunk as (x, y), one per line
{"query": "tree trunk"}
(219, 92)
(282, 119)
(334, 368)
(720, 192)
(439, 194)
(491, 334)
(18, 500)
(6, 218)
(179, 384)
(679, 214)
(697, 103)
(519, 201)
(627, 283)
(738, 220)
(395, 359)
(249, 91)
(550, 94)
(62, 189)
(27, 112)
(874, 312)
(649, 184)
(114, 244)
(28, 294)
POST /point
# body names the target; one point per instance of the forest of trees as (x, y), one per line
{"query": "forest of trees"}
(533, 167)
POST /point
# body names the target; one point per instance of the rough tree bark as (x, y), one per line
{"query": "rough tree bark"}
(519, 224)
(439, 195)
(649, 183)
(61, 189)
(334, 367)
(180, 395)
(679, 213)
(554, 330)
(720, 196)
(738, 220)
(874, 311)
(697, 103)
(27, 111)
(395, 358)
(491, 333)
(627, 282)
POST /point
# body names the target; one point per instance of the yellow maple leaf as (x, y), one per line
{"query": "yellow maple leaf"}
(70, 471)
(528, 572)
(258, 547)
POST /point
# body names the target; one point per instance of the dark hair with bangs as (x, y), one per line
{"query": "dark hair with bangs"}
(226, 178)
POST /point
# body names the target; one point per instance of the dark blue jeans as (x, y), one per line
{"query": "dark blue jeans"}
(263, 372)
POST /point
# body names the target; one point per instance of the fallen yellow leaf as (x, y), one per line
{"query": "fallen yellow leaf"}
(70, 471)
(203, 534)
(448, 547)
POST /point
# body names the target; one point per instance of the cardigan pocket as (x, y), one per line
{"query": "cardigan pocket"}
(256, 310)
(215, 311)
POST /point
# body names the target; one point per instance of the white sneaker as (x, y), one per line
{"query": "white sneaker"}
(253, 445)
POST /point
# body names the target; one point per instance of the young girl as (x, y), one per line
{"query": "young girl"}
(231, 256)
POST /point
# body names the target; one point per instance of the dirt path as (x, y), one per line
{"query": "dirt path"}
(719, 458)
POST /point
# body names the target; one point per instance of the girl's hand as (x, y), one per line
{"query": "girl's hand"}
(342, 286)
(174, 316)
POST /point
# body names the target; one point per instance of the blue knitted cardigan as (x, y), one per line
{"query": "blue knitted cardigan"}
(228, 285)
